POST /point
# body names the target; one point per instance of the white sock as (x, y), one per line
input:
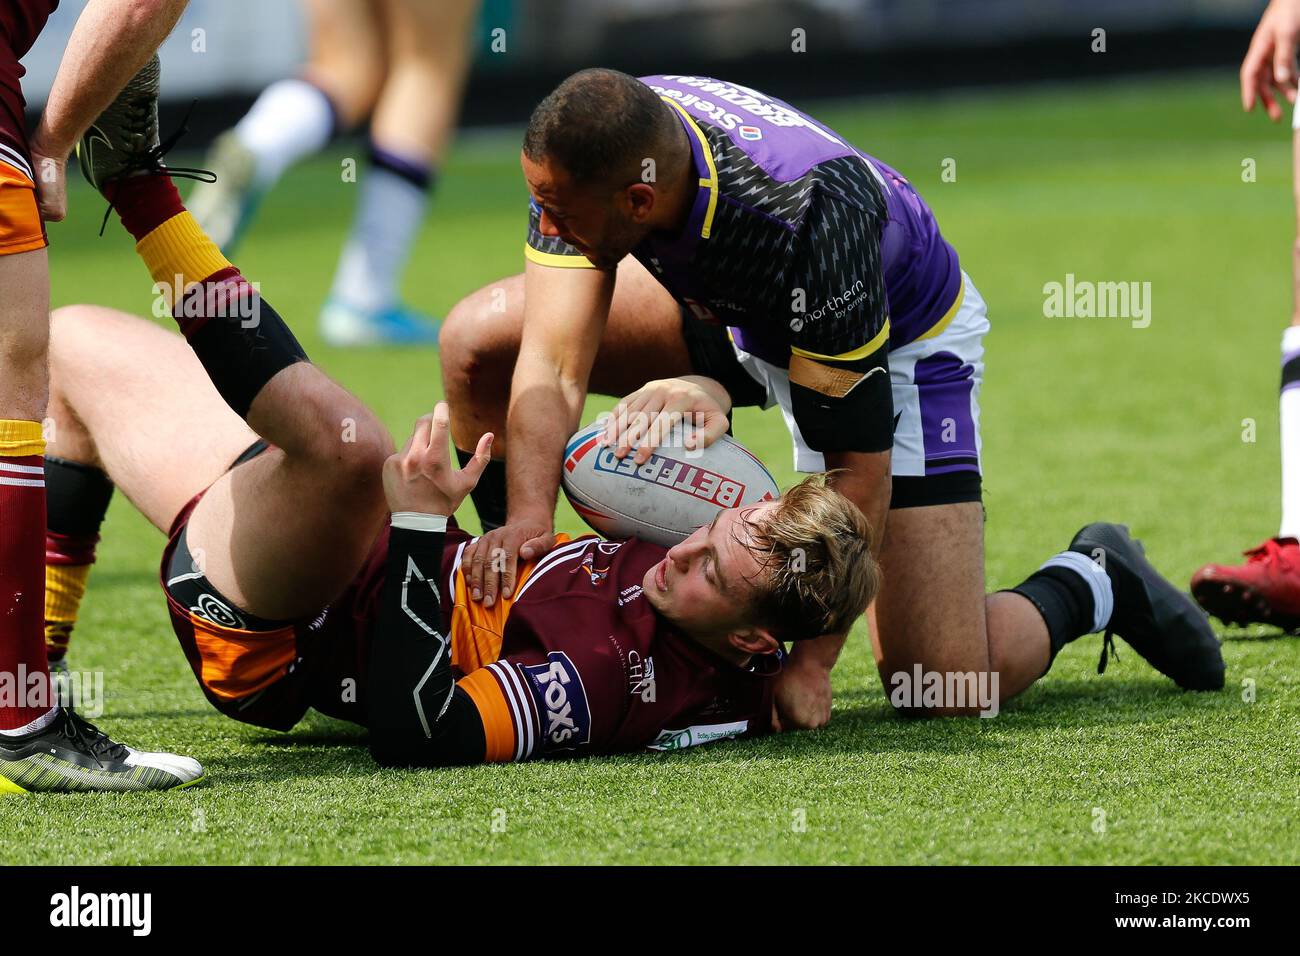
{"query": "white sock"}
(388, 218)
(1103, 598)
(1290, 421)
(290, 120)
(40, 723)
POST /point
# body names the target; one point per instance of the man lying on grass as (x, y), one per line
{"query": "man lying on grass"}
(299, 579)
(318, 569)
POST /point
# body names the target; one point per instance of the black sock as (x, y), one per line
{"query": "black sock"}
(241, 341)
(419, 175)
(76, 497)
(1065, 601)
(489, 495)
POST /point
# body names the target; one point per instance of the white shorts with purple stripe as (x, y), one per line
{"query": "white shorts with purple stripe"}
(936, 383)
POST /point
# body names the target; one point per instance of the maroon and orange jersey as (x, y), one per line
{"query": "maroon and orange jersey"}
(577, 662)
(587, 666)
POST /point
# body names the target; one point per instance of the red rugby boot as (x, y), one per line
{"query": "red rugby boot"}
(1264, 590)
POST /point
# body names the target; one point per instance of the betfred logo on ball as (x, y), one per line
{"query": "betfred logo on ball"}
(666, 499)
(680, 476)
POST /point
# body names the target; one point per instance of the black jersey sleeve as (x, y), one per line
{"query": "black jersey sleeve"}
(839, 352)
(417, 714)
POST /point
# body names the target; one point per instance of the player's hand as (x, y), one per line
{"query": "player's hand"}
(491, 562)
(51, 185)
(684, 409)
(803, 696)
(1268, 71)
(420, 477)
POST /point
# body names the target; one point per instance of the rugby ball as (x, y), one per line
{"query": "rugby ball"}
(664, 500)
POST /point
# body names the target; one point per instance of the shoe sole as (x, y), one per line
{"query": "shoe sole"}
(1239, 605)
(1172, 610)
(7, 786)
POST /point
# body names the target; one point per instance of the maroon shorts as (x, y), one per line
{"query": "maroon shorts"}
(269, 673)
(21, 226)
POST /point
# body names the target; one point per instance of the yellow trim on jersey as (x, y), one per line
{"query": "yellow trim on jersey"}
(711, 184)
(948, 316)
(861, 351)
(555, 259)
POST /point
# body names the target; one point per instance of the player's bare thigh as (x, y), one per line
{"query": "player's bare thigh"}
(429, 49)
(347, 54)
(283, 534)
(155, 423)
(931, 606)
(642, 340)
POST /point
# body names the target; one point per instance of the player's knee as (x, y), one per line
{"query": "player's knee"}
(353, 84)
(85, 324)
(69, 315)
(360, 449)
(23, 347)
(477, 335)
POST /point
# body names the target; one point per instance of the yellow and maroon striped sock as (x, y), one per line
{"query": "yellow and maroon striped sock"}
(241, 341)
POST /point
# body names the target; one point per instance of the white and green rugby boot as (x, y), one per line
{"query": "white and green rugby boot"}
(72, 754)
(224, 208)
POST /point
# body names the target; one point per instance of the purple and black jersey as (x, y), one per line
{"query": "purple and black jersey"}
(818, 257)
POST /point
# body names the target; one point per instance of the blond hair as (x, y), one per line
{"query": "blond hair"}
(818, 572)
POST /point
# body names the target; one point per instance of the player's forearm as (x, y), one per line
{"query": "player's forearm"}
(543, 414)
(410, 642)
(821, 652)
(112, 40)
(865, 481)
(416, 714)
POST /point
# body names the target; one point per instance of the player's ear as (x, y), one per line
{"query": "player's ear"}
(641, 201)
(753, 640)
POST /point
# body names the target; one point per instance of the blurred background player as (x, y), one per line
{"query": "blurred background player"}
(45, 746)
(400, 63)
(1266, 588)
